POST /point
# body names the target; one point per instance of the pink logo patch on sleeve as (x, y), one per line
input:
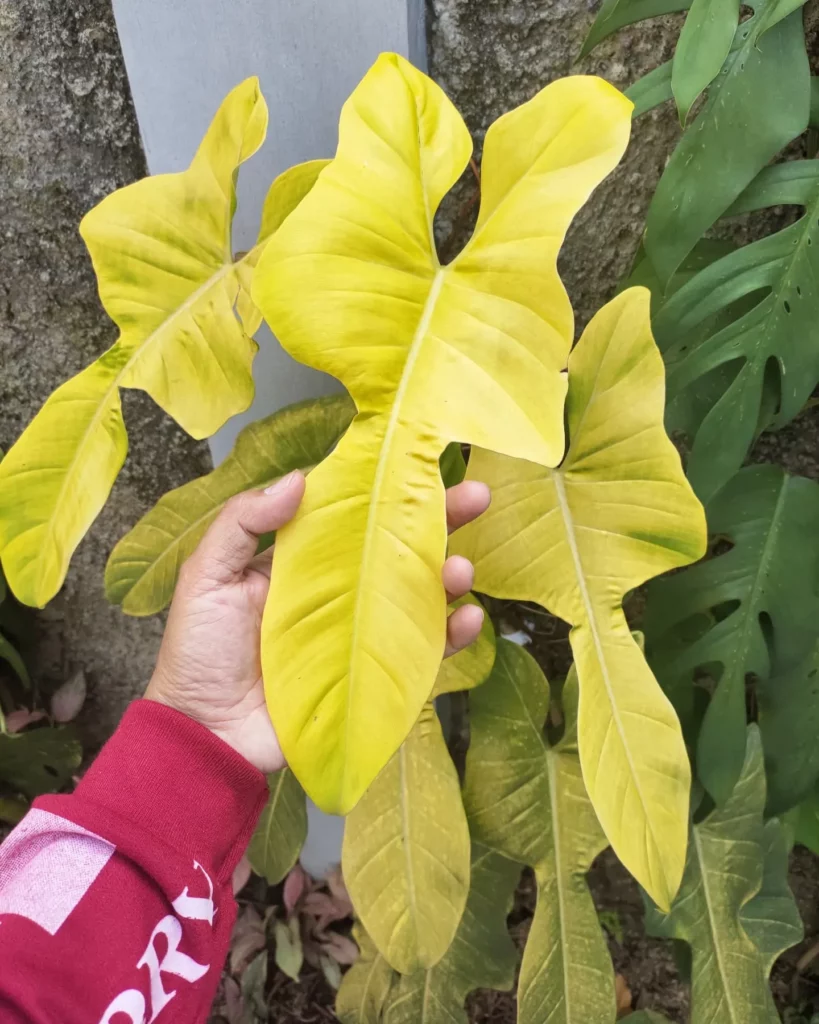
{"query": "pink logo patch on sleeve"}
(47, 865)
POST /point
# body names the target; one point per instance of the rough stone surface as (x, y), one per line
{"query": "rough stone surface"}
(491, 55)
(69, 137)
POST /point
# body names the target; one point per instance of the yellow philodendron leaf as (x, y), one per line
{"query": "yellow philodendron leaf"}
(161, 249)
(576, 539)
(406, 851)
(471, 352)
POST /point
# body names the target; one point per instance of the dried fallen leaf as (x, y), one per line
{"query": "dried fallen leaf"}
(332, 972)
(232, 999)
(340, 948)
(19, 719)
(338, 890)
(241, 874)
(324, 909)
(68, 700)
(247, 939)
(622, 994)
(294, 888)
(289, 953)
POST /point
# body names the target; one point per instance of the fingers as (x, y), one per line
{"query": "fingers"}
(458, 576)
(465, 502)
(230, 544)
(462, 628)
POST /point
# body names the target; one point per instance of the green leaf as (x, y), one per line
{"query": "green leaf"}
(282, 829)
(144, 566)
(804, 821)
(471, 666)
(482, 953)
(733, 909)
(453, 465)
(651, 90)
(765, 582)
(788, 717)
(764, 84)
(40, 760)
(527, 800)
(406, 851)
(793, 183)
(366, 986)
(616, 14)
(771, 919)
(776, 329)
(702, 48)
(254, 979)
(9, 654)
(289, 952)
(774, 12)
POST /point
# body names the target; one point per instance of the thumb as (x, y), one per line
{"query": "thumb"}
(229, 545)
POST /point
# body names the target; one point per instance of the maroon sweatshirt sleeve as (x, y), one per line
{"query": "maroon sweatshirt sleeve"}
(116, 903)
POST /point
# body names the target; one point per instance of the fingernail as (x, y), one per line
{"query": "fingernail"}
(282, 485)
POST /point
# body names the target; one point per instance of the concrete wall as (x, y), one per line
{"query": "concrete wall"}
(68, 137)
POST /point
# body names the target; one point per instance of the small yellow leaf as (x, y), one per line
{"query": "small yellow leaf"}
(617, 512)
(406, 852)
(473, 351)
(167, 276)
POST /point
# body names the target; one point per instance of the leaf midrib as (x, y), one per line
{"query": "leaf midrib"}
(712, 929)
(571, 540)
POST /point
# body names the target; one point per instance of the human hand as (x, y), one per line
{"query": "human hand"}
(209, 664)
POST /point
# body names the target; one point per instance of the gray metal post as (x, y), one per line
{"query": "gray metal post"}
(182, 57)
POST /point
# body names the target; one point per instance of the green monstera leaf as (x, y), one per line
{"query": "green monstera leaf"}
(775, 328)
(161, 249)
(406, 851)
(765, 82)
(575, 540)
(788, 718)
(616, 14)
(734, 908)
(526, 799)
(282, 828)
(144, 566)
(482, 954)
(39, 760)
(702, 49)
(758, 597)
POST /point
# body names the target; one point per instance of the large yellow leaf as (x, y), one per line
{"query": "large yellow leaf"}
(161, 249)
(142, 571)
(473, 351)
(617, 512)
(406, 852)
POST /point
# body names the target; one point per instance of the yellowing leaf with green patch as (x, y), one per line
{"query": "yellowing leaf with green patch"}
(366, 986)
(482, 954)
(576, 539)
(471, 666)
(734, 909)
(276, 844)
(144, 566)
(161, 249)
(473, 351)
(406, 851)
(526, 799)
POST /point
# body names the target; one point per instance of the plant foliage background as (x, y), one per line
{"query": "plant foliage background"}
(749, 642)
